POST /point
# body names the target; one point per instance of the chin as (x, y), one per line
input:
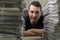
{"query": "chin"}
(34, 21)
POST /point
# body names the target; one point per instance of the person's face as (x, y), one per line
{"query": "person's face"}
(34, 13)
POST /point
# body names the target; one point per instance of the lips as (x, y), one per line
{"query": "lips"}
(34, 19)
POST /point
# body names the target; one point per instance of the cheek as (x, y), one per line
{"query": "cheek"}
(38, 16)
(29, 14)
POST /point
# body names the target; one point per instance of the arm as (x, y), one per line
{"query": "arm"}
(33, 32)
(39, 32)
(29, 33)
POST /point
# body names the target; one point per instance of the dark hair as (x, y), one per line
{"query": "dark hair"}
(36, 3)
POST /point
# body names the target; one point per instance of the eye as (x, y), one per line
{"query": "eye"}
(32, 11)
(37, 12)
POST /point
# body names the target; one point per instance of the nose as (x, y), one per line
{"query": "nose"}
(34, 15)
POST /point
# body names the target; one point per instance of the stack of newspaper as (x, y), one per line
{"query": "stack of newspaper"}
(50, 20)
(11, 21)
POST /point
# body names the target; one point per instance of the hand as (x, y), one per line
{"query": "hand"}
(29, 33)
(38, 32)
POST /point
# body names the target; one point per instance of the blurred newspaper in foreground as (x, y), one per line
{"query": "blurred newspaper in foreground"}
(11, 22)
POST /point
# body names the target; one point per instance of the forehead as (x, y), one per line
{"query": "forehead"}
(34, 8)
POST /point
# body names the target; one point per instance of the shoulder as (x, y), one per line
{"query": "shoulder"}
(42, 17)
(26, 18)
(40, 22)
(27, 22)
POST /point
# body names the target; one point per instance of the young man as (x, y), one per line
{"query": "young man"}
(34, 20)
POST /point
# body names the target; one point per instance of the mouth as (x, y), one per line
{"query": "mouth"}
(34, 19)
